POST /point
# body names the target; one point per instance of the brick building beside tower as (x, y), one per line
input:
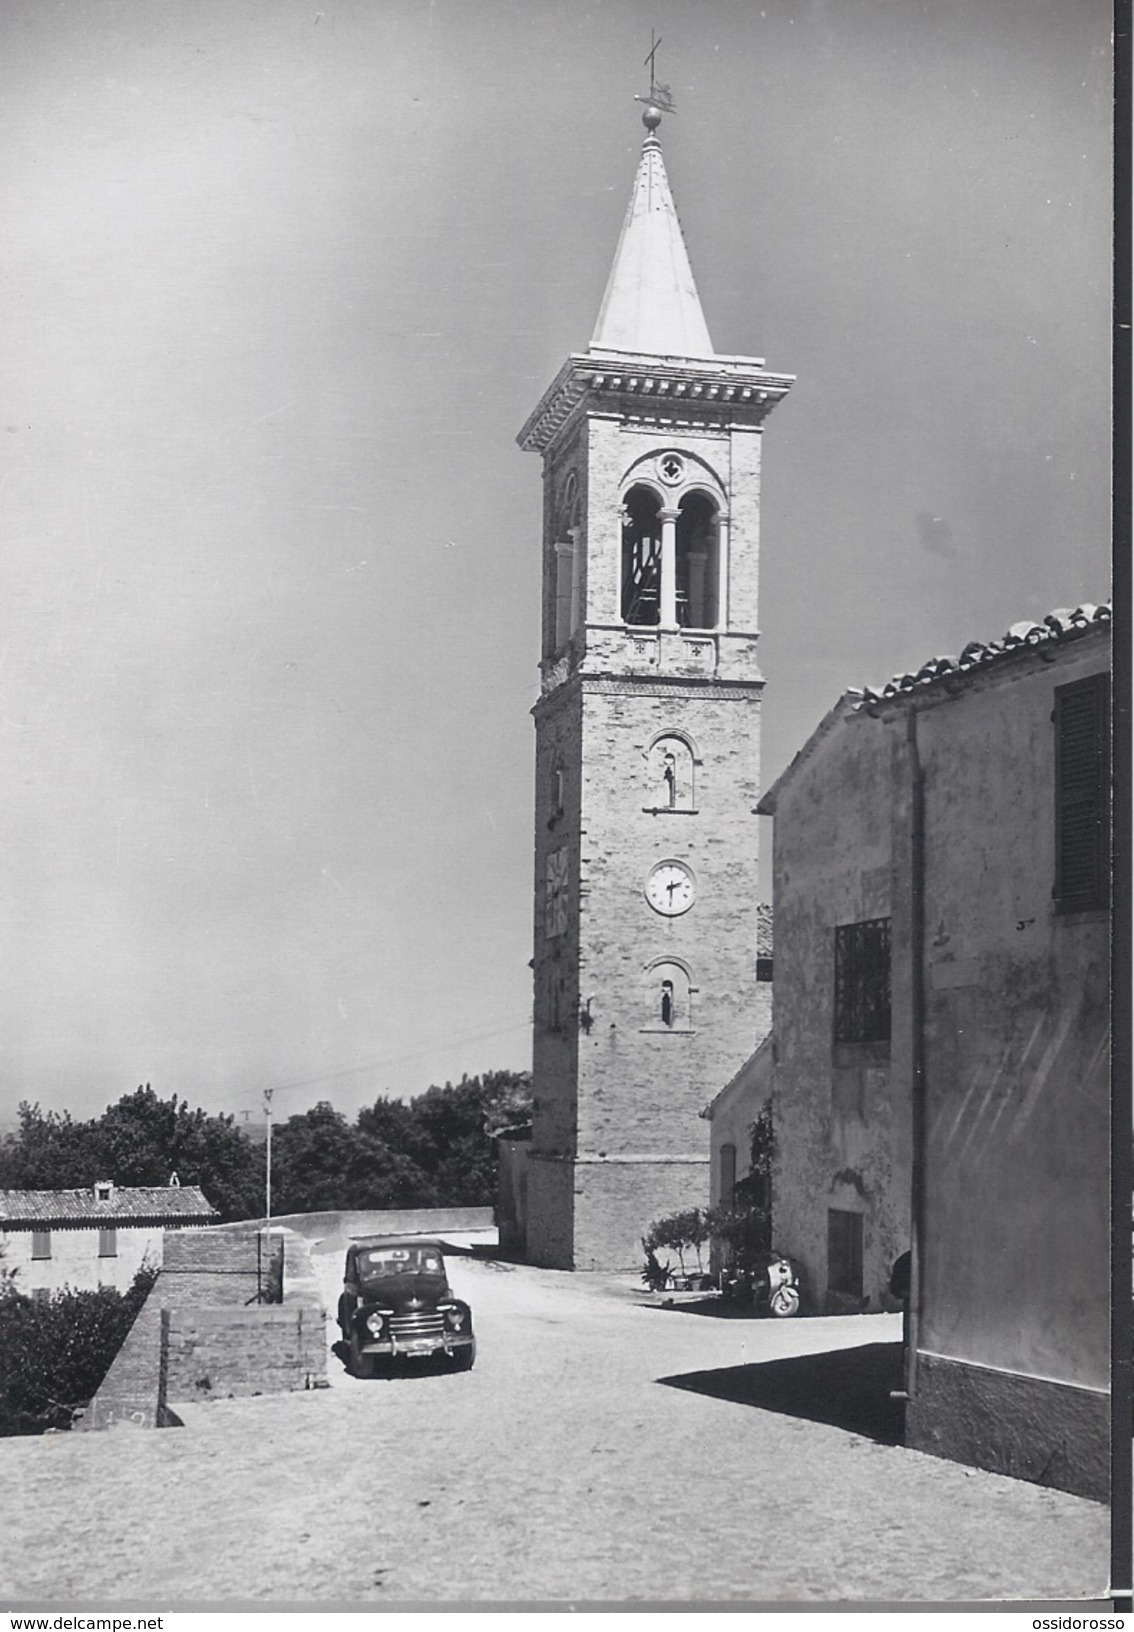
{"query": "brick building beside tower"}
(647, 749)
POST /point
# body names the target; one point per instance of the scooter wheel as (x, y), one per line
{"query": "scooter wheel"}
(784, 1301)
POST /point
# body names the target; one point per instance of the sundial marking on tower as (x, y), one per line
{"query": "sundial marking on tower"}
(660, 97)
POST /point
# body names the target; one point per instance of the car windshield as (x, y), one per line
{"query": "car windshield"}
(376, 1262)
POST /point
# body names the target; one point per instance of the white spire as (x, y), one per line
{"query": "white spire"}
(651, 303)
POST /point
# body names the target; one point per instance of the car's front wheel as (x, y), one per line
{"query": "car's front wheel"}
(462, 1359)
(361, 1365)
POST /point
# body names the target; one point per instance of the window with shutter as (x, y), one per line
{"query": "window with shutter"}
(862, 982)
(1082, 794)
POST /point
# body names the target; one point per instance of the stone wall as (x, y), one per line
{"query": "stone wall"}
(395, 1221)
(611, 1083)
(130, 1390)
(199, 1337)
(239, 1265)
(227, 1352)
(617, 1201)
(1029, 1428)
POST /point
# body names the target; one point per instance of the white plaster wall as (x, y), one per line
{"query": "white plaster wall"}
(1015, 1266)
(75, 1261)
(842, 1134)
(734, 1112)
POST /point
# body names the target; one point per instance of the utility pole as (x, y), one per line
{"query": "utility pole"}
(268, 1092)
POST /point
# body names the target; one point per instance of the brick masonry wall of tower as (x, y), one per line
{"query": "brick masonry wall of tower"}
(641, 1088)
(556, 958)
(612, 1085)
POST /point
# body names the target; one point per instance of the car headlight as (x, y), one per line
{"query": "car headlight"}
(455, 1318)
(374, 1324)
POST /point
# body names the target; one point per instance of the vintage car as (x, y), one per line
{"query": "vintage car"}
(396, 1304)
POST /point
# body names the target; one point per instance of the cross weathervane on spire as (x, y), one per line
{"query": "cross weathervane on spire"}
(660, 98)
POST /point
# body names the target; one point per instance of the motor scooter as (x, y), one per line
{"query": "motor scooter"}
(767, 1281)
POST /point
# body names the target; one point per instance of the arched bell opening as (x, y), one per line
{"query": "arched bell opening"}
(641, 557)
(698, 562)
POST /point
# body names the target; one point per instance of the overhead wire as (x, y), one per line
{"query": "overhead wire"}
(390, 1059)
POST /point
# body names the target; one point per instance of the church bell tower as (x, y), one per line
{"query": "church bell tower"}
(647, 748)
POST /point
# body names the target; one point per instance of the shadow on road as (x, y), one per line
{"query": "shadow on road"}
(714, 1307)
(846, 1388)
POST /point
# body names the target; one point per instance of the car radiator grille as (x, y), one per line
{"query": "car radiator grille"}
(426, 1323)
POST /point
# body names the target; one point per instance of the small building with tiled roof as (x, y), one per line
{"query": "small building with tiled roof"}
(940, 1035)
(99, 1236)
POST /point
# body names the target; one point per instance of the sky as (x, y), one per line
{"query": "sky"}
(282, 281)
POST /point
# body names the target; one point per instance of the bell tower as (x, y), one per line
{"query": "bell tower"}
(647, 748)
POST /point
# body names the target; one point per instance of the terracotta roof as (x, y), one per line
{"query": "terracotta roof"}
(1062, 625)
(127, 1202)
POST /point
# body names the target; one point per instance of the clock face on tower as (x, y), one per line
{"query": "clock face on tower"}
(671, 888)
(555, 897)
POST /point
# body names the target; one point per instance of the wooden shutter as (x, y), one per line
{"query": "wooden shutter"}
(1082, 794)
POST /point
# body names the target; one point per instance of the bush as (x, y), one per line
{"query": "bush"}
(55, 1352)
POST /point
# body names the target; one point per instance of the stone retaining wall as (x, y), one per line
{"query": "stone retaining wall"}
(229, 1353)
(411, 1221)
(200, 1335)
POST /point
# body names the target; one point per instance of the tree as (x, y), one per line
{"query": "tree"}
(50, 1152)
(320, 1164)
(682, 1232)
(141, 1140)
(456, 1124)
(391, 1122)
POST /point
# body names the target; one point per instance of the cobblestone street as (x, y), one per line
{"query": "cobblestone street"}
(560, 1468)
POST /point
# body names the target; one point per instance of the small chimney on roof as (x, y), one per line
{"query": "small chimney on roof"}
(174, 1181)
(104, 1189)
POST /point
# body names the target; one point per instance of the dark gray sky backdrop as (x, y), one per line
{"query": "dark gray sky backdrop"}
(281, 282)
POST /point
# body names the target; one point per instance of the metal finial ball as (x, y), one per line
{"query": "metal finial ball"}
(651, 118)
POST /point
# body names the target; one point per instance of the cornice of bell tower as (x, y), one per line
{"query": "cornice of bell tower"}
(718, 392)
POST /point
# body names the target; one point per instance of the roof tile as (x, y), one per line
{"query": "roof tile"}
(140, 1202)
(1060, 625)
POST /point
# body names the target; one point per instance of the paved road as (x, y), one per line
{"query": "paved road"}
(558, 1469)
